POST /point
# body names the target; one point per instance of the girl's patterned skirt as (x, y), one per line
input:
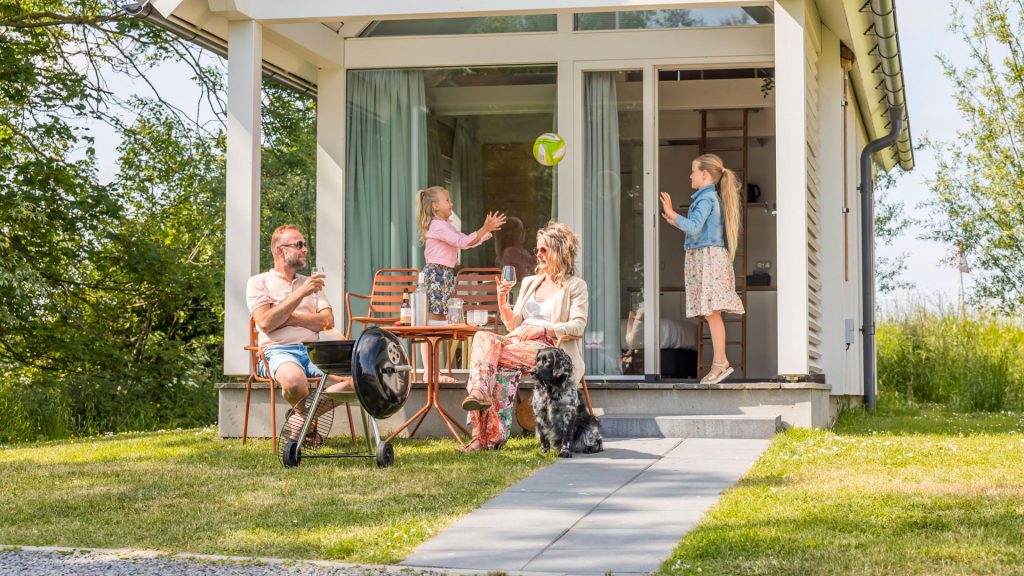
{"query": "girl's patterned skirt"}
(440, 287)
(710, 282)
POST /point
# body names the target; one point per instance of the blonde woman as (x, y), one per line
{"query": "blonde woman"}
(551, 304)
(712, 227)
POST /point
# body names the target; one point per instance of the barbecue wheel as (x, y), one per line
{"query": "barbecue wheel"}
(385, 455)
(290, 455)
(320, 427)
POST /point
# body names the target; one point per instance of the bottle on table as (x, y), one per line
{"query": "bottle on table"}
(405, 314)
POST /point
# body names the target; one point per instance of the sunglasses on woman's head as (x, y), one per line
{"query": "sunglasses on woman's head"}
(301, 244)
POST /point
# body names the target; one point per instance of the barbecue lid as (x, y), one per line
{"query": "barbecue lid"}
(380, 369)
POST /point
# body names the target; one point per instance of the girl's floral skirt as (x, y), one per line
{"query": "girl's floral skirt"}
(710, 282)
(440, 287)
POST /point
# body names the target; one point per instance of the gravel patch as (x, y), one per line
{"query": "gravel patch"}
(26, 561)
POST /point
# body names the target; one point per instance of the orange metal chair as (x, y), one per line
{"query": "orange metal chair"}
(256, 359)
(389, 285)
(478, 288)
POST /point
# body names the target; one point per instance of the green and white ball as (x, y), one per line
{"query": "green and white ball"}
(549, 149)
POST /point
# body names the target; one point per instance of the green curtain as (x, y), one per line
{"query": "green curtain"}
(468, 185)
(601, 210)
(386, 164)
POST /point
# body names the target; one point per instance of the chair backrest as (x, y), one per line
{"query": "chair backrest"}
(389, 285)
(254, 352)
(478, 288)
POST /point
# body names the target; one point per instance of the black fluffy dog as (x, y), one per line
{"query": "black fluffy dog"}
(562, 418)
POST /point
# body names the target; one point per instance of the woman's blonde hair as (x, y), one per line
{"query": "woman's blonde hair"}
(562, 245)
(425, 199)
(729, 190)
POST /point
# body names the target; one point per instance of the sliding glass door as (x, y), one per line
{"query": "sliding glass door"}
(613, 213)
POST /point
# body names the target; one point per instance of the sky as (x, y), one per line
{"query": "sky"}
(922, 29)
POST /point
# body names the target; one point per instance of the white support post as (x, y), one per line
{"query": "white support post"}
(791, 185)
(330, 185)
(651, 211)
(565, 113)
(242, 221)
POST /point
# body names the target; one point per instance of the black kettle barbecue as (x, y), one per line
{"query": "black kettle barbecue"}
(380, 371)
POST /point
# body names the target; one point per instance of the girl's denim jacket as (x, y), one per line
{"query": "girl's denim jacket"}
(703, 222)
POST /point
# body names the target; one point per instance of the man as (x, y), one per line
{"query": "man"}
(290, 309)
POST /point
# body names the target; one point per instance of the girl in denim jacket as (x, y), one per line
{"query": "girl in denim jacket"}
(712, 227)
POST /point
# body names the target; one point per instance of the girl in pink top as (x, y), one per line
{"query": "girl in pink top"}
(442, 242)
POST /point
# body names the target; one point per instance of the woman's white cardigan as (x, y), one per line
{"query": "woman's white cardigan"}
(569, 316)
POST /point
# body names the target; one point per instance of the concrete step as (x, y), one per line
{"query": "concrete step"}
(690, 426)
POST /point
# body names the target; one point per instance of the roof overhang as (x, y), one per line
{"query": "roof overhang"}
(301, 37)
(854, 23)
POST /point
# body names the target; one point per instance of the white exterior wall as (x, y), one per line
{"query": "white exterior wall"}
(853, 300)
(830, 168)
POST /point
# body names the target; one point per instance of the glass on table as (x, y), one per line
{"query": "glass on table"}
(456, 313)
(477, 317)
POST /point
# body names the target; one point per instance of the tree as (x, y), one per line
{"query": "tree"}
(890, 224)
(978, 187)
(109, 291)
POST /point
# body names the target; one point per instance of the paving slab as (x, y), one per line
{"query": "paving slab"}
(623, 510)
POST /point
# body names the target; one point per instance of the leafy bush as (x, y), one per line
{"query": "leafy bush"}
(966, 363)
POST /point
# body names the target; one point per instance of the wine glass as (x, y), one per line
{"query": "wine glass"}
(508, 276)
(317, 270)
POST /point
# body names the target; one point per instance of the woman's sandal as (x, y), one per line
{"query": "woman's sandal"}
(724, 371)
(446, 379)
(474, 446)
(476, 401)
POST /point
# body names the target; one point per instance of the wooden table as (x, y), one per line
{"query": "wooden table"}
(433, 336)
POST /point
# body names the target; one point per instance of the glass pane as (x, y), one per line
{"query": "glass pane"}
(681, 18)
(470, 130)
(477, 25)
(613, 220)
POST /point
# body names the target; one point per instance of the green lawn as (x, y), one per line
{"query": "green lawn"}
(906, 492)
(187, 491)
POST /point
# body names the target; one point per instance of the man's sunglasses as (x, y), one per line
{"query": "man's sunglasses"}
(300, 245)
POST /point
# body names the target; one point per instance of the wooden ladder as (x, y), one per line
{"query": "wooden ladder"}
(732, 124)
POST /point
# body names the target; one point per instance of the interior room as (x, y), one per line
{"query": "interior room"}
(729, 113)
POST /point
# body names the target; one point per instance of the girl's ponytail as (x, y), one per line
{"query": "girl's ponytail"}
(729, 190)
(425, 209)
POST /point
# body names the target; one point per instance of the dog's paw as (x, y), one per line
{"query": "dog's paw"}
(565, 453)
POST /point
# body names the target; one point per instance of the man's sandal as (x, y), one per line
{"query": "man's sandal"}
(724, 371)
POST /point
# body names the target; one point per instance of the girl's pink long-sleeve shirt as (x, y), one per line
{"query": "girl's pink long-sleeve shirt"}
(443, 243)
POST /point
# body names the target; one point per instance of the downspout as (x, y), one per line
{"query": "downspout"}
(867, 248)
(887, 50)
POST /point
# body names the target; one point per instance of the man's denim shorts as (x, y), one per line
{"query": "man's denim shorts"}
(283, 353)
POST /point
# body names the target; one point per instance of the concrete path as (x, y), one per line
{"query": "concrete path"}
(623, 510)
